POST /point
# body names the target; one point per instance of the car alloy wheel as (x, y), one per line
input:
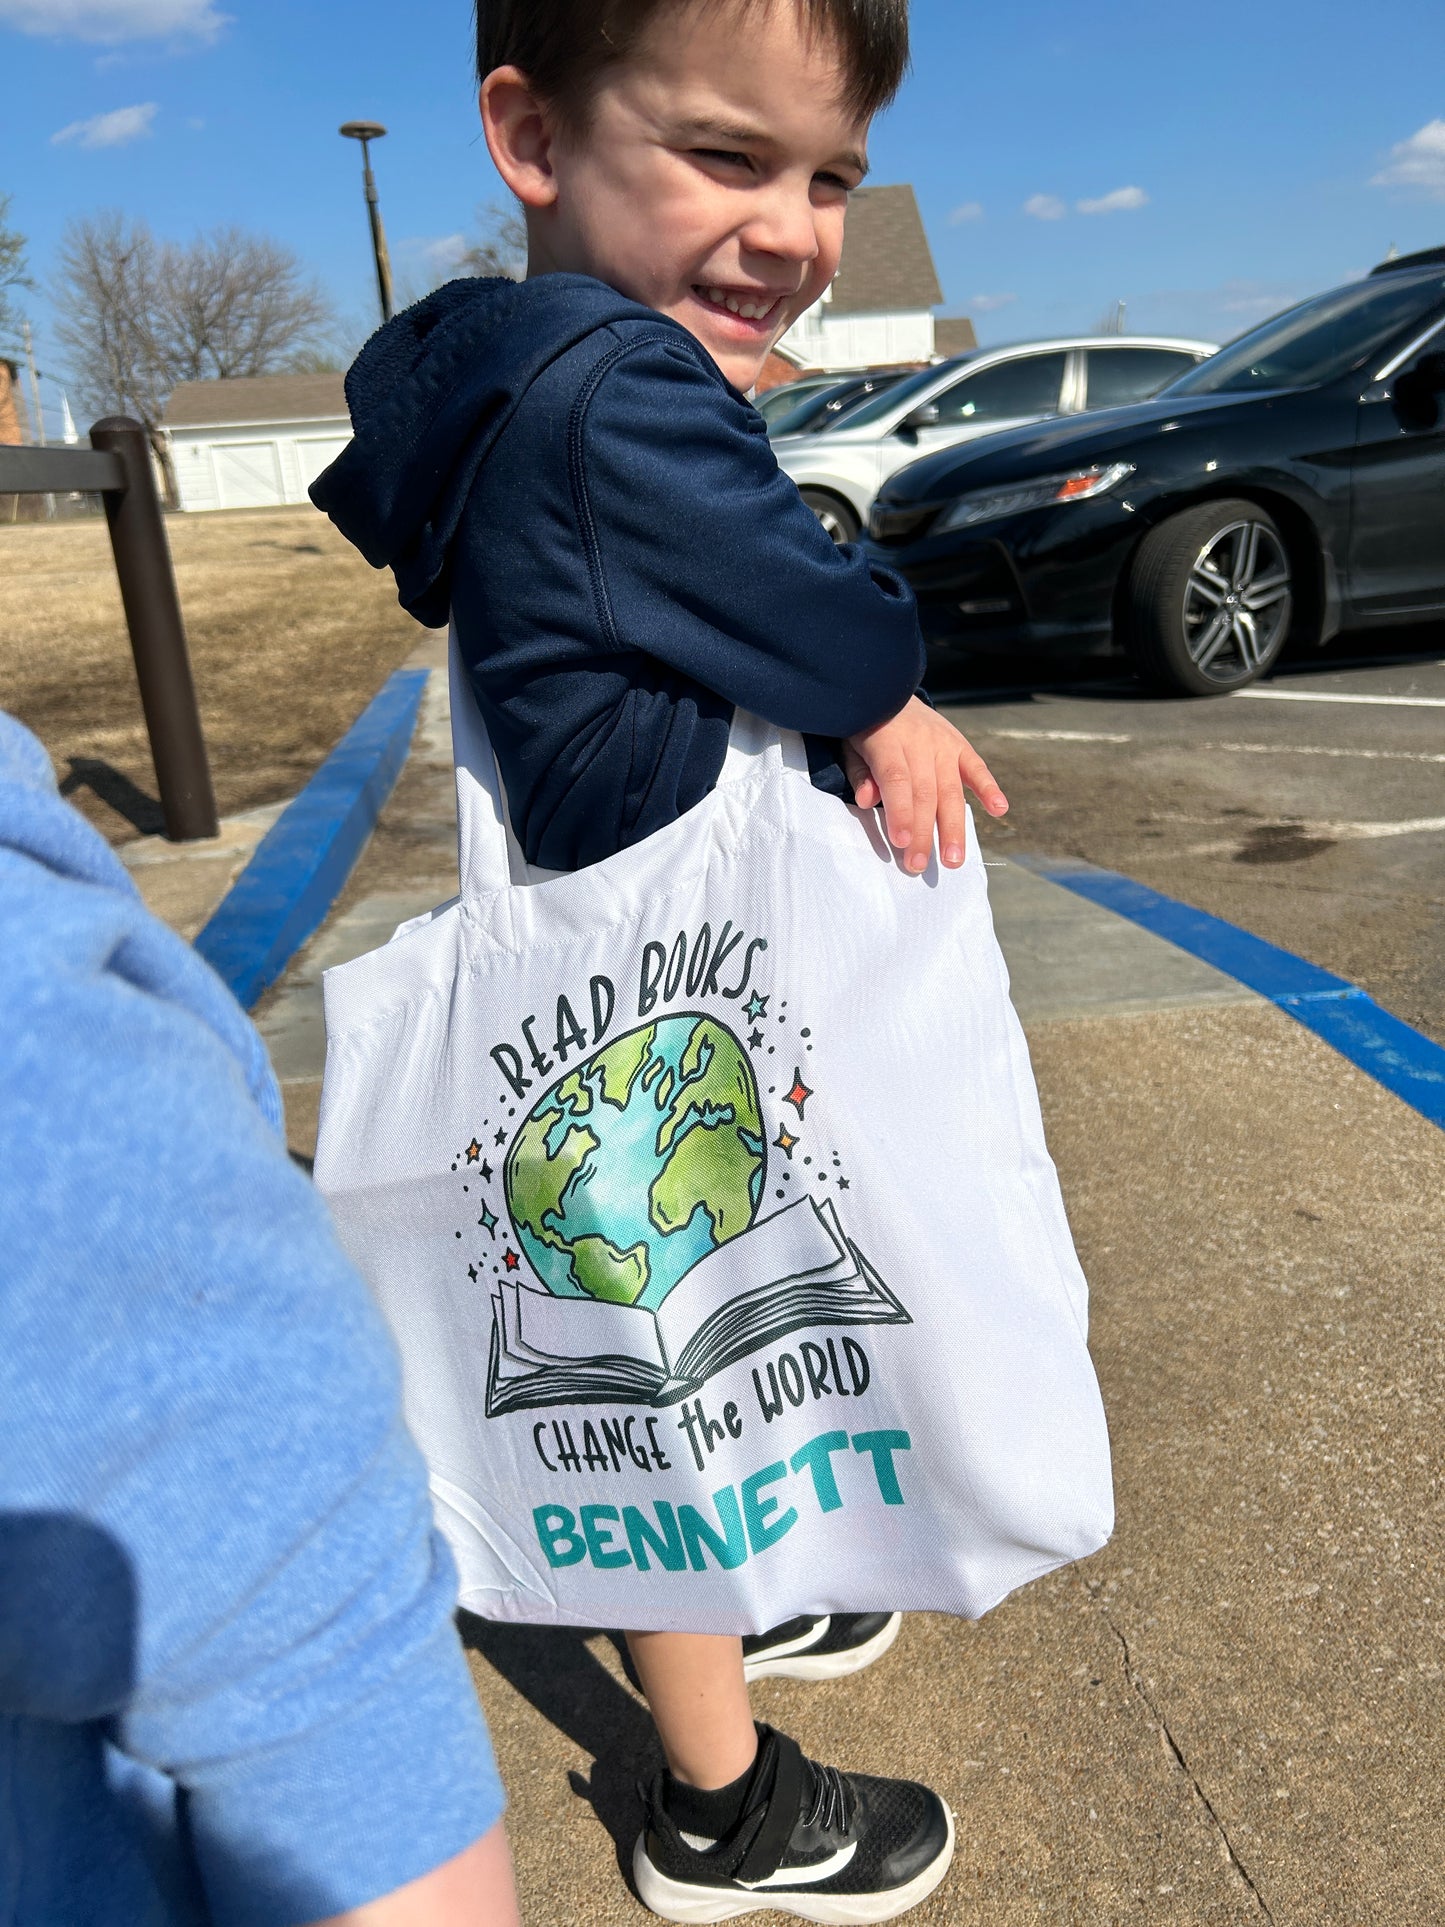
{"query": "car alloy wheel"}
(1237, 602)
(1208, 603)
(840, 524)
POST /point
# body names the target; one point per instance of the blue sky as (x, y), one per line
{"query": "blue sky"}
(1244, 155)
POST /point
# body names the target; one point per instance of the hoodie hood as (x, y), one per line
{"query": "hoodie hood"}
(429, 394)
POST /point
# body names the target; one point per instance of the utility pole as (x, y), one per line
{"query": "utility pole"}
(39, 411)
(367, 131)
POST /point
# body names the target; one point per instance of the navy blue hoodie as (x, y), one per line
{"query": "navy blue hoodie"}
(571, 477)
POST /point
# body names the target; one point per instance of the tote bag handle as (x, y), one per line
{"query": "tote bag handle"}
(489, 857)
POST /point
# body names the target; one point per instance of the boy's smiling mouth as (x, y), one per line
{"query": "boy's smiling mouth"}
(753, 305)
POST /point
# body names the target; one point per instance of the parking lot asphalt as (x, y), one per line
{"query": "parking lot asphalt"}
(1231, 1715)
(1310, 809)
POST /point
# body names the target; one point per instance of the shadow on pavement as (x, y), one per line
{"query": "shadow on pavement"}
(555, 1672)
(982, 679)
(126, 798)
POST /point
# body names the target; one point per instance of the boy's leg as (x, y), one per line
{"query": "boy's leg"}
(699, 1700)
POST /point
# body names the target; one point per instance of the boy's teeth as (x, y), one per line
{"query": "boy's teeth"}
(749, 310)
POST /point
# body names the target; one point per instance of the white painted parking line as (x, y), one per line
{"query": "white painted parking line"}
(1330, 696)
(1056, 735)
(1333, 832)
(1228, 749)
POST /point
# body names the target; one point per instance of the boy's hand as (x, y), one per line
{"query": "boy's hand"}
(917, 766)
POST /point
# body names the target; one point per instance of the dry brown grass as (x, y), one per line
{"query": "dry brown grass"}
(291, 634)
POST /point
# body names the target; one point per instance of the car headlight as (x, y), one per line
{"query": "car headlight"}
(988, 504)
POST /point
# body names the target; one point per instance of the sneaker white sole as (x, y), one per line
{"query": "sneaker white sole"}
(677, 1900)
(806, 1665)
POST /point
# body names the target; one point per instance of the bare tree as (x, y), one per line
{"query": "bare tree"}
(231, 304)
(500, 246)
(137, 316)
(12, 268)
(106, 296)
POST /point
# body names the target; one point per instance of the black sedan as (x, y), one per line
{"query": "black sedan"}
(1291, 486)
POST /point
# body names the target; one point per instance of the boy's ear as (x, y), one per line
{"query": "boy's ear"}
(519, 136)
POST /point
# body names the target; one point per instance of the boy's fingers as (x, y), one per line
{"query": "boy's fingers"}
(952, 814)
(895, 784)
(979, 778)
(860, 779)
(924, 788)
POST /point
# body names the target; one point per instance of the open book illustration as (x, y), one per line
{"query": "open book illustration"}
(795, 1269)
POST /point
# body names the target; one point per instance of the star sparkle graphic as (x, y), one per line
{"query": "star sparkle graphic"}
(799, 1094)
(755, 1008)
(488, 1221)
(486, 1172)
(474, 1151)
(472, 1273)
(501, 1137)
(755, 1039)
(784, 1142)
(842, 1184)
(510, 1259)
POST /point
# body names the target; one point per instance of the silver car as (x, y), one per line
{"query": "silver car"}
(842, 467)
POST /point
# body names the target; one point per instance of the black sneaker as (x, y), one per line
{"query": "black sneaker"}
(841, 1848)
(820, 1648)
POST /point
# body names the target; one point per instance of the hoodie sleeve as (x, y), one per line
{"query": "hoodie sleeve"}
(215, 1535)
(703, 555)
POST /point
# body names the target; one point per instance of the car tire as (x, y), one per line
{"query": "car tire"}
(834, 513)
(1209, 599)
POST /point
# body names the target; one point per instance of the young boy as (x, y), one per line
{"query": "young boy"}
(569, 469)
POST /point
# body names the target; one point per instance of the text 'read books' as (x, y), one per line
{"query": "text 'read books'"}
(794, 1269)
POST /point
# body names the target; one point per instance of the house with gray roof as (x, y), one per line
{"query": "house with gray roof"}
(255, 441)
(879, 308)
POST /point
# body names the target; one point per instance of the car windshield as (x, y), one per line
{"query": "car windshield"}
(787, 420)
(899, 395)
(788, 396)
(1317, 341)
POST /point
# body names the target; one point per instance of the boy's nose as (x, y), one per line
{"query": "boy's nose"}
(782, 225)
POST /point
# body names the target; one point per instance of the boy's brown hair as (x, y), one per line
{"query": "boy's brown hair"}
(565, 46)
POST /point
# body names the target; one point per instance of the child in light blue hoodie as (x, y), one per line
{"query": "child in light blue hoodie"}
(230, 1689)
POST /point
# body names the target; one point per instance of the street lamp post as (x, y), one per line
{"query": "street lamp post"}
(367, 131)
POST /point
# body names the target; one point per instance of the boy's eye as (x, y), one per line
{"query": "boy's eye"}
(725, 155)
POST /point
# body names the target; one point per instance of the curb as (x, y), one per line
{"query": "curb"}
(1386, 1048)
(301, 865)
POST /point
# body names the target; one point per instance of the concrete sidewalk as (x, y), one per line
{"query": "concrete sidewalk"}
(1233, 1713)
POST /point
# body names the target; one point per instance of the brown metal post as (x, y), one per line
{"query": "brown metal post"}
(157, 635)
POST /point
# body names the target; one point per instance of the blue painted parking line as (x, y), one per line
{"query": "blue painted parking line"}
(1402, 1059)
(301, 865)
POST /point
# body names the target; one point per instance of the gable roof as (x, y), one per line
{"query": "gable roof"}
(953, 334)
(257, 398)
(887, 264)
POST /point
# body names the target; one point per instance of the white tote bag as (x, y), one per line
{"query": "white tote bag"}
(706, 1193)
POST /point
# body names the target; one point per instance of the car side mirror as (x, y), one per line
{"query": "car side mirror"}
(1417, 394)
(924, 416)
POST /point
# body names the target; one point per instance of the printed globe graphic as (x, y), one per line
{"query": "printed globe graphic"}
(639, 1162)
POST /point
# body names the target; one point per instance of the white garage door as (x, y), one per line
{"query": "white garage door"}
(315, 452)
(248, 475)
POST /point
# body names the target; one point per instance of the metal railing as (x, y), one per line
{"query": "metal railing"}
(117, 467)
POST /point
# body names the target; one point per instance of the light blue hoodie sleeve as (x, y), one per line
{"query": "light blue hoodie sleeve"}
(215, 1530)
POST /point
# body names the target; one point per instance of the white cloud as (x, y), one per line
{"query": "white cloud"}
(109, 130)
(1045, 207)
(1118, 202)
(1236, 298)
(966, 211)
(111, 21)
(1417, 162)
(991, 303)
(437, 254)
